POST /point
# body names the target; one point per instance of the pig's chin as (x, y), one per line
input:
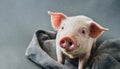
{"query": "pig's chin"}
(76, 52)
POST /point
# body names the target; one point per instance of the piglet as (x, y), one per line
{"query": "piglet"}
(76, 36)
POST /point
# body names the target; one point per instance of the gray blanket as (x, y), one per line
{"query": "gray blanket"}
(41, 51)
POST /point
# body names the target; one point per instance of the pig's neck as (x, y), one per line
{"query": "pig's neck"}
(83, 60)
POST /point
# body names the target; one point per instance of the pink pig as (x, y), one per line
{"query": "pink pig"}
(76, 36)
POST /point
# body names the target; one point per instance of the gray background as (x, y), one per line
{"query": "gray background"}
(20, 18)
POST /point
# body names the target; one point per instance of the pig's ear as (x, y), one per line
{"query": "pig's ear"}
(56, 19)
(95, 29)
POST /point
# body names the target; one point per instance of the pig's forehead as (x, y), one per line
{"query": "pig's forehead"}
(80, 20)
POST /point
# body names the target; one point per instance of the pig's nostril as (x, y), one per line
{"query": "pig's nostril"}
(70, 43)
(63, 42)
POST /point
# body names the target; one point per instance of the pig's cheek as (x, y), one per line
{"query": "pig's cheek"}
(86, 45)
(81, 44)
(59, 35)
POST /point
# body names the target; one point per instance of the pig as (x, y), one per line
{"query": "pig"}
(76, 36)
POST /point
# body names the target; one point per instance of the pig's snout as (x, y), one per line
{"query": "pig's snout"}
(67, 43)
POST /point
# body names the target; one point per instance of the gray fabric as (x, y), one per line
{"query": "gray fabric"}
(107, 56)
(35, 52)
(41, 51)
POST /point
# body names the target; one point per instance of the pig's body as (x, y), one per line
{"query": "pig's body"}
(76, 36)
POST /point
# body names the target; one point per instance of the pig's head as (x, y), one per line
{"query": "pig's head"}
(76, 35)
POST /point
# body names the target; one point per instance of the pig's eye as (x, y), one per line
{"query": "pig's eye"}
(83, 31)
(62, 27)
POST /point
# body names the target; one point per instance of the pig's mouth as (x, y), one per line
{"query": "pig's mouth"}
(74, 52)
(71, 48)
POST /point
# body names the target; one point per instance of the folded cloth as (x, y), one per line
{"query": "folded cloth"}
(42, 51)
